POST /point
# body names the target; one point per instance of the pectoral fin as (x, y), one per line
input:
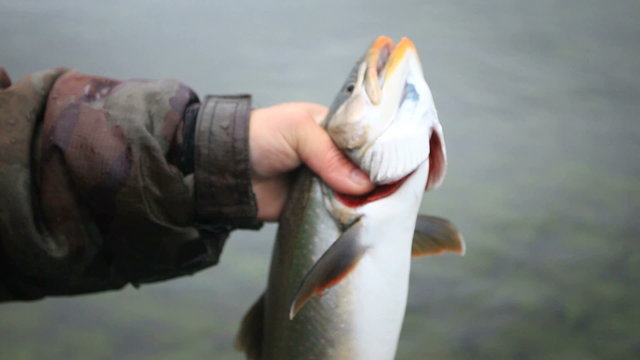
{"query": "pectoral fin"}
(434, 235)
(333, 266)
(249, 337)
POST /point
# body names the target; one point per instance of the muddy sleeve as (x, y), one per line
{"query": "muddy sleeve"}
(105, 182)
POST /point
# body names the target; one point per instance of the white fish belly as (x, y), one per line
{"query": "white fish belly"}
(380, 281)
(379, 288)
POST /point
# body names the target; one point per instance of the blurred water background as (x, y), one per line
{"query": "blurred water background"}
(540, 101)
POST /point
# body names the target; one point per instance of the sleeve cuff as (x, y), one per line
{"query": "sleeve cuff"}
(222, 183)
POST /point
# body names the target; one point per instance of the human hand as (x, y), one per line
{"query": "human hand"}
(282, 137)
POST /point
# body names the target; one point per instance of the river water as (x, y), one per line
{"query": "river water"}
(540, 105)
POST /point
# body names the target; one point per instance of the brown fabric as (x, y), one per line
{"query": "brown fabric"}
(91, 197)
(222, 183)
(21, 243)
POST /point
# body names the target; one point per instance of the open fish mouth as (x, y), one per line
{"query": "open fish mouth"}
(383, 59)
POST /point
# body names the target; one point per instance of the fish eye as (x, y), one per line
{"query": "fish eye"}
(349, 88)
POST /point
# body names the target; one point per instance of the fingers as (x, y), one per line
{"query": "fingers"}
(316, 149)
(280, 138)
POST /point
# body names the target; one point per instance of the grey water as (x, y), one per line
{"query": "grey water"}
(540, 101)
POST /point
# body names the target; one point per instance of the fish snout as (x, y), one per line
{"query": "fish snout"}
(387, 66)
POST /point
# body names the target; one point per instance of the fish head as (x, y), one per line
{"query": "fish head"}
(384, 118)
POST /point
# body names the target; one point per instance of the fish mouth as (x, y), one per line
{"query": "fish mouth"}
(383, 59)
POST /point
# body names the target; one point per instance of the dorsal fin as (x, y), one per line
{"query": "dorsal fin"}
(434, 235)
(249, 337)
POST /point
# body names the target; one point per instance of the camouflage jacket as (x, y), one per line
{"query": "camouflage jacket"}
(106, 182)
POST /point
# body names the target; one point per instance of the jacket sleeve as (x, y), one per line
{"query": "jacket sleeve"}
(106, 182)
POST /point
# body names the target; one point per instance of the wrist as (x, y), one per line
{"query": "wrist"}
(222, 183)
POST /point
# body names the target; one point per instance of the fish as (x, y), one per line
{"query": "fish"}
(340, 266)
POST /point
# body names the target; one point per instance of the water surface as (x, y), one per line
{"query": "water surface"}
(539, 100)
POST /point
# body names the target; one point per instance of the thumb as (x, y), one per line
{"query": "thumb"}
(317, 150)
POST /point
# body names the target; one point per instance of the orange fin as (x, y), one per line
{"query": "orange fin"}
(333, 266)
(434, 235)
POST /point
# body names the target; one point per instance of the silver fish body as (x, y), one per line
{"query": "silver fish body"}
(340, 266)
(323, 330)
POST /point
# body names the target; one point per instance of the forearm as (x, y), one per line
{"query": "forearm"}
(107, 196)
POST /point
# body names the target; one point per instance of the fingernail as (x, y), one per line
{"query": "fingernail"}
(359, 177)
